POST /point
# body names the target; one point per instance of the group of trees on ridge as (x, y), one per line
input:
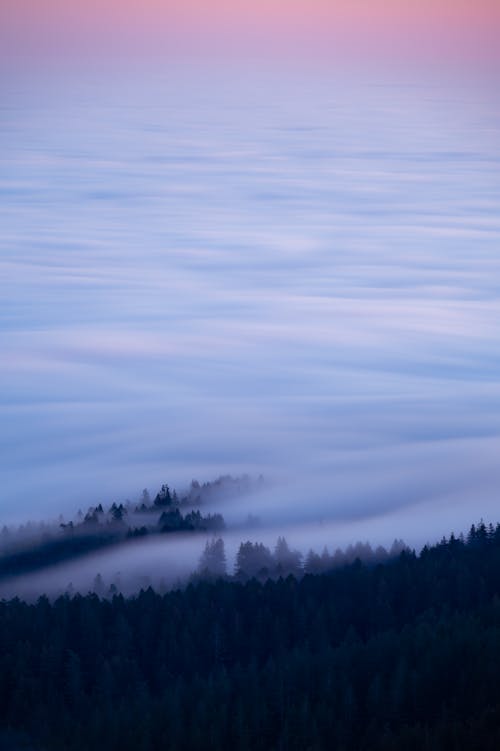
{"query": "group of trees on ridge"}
(144, 514)
(34, 546)
(254, 559)
(401, 655)
(167, 513)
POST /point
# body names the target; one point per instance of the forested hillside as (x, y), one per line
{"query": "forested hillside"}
(32, 547)
(41, 548)
(404, 655)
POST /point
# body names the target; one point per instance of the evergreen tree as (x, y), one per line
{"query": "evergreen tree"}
(286, 561)
(253, 559)
(164, 497)
(213, 559)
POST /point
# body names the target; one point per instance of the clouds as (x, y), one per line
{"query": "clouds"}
(299, 281)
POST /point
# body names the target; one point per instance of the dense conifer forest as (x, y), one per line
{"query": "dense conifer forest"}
(400, 655)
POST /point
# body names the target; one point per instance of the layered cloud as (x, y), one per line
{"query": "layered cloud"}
(298, 281)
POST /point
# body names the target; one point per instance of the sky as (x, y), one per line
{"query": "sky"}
(284, 264)
(352, 32)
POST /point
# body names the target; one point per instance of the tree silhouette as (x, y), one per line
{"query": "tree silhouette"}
(253, 559)
(286, 561)
(213, 559)
(164, 497)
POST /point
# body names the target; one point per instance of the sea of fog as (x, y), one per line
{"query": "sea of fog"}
(203, 275)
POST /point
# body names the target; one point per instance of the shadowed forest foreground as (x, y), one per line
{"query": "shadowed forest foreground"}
(404, 655)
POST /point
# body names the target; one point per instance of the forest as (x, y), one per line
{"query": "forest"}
(403, 654)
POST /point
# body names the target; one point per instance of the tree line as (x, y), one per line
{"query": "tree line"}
(254, 559)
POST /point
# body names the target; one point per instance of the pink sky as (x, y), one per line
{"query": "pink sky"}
(463, 31)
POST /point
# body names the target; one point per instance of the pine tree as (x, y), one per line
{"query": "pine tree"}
(213, 559)
(287, 561)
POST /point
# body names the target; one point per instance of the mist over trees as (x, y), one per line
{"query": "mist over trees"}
(32, 546)
(35, 548)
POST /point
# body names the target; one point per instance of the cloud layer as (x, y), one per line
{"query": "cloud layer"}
(300, 281)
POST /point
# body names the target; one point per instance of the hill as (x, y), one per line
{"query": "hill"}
(380, 657)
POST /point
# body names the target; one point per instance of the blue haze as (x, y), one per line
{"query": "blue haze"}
(202, 276)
